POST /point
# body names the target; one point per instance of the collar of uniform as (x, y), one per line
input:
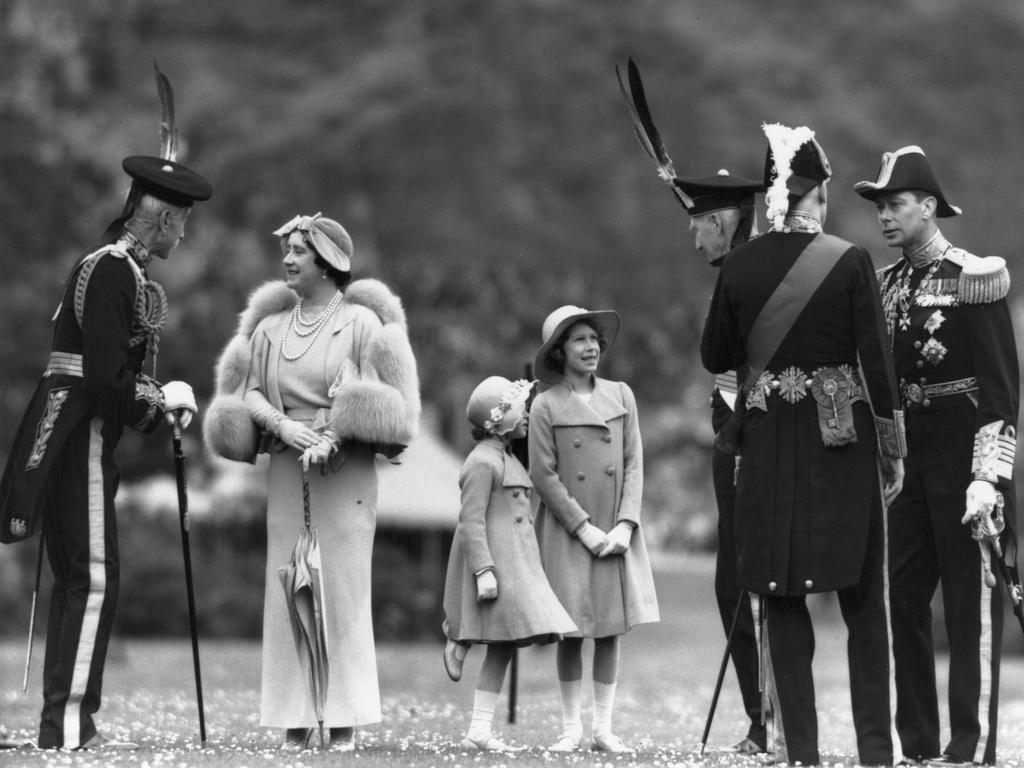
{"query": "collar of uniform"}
(801, 222)
(136, 248)
(930, 251)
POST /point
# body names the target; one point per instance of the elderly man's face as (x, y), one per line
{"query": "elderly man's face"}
(709, 235)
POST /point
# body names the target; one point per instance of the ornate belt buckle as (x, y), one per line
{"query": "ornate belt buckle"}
(914, 393)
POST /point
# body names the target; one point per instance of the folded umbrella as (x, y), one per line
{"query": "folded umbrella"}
(304, 595)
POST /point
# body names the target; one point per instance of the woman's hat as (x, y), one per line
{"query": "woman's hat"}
(906, 169)
(494, 401)
(328, 238)
(557, 322)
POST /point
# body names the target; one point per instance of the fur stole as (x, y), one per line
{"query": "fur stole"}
(382, 409)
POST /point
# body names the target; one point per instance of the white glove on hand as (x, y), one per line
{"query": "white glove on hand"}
(317, 454)
(486, 586)
(617, 540)
(981, 501)
(179, 402)
(592, 537)
(297, 435)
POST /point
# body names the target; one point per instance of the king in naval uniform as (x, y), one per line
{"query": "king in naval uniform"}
(956, 359)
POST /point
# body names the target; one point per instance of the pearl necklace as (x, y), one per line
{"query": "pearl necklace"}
(304, 328)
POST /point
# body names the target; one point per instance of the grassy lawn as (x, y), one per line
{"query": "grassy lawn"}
(668, 674)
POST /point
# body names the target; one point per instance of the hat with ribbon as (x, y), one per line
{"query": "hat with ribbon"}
(327, 237)
(497, 405)
(906, 169)
(556, 323)
(794, 165)
(719, 192)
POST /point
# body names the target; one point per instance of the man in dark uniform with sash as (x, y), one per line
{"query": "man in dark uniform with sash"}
(61, 473)
(799, 308)
(722, 216)
(956, 359)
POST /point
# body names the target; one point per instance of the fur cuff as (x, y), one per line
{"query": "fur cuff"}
(372, 412)
(228, 429)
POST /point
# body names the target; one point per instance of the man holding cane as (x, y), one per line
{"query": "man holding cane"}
(61, 472)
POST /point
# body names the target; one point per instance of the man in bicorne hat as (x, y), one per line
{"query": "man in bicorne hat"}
(797, 309)
(60, 472)
(722, 216)
(956, 359)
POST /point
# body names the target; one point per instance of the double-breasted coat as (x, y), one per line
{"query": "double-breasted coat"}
(586, 463)
(495, 531)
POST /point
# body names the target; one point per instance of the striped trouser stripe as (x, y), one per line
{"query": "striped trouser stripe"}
(984, 660)
(97, 588)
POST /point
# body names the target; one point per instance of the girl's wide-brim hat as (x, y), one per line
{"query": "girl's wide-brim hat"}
(497, 404)
(906, 169)
(555, 325)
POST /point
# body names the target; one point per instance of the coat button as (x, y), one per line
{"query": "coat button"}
(515, 494)
(809, 584)
(609, 470)
(607, 438)
(923, 381)
(519, 518)
(926, 402)
(580, 476)
(772, 586)
(917, 344)
(577, 442)
(920, 363)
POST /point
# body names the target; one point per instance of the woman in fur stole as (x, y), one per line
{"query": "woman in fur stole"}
(318, 376)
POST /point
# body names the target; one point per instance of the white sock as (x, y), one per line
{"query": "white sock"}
(604, 702)
(571, 692)
(484, 704)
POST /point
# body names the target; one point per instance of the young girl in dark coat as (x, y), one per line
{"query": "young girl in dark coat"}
(496, 592)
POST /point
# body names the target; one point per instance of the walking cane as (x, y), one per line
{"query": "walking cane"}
(179, 468)
(32, 614)
(721, 671)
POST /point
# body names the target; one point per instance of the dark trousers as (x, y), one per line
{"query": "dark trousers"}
(791, 646)
(928, 546)
(81, 543)
(744, 651)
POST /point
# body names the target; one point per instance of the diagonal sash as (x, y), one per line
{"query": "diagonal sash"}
(788, 300)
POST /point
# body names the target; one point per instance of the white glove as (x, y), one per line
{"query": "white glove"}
(318, 454)
(592, 537)
(486, 586)
(297, 435)
(617, 540)
(179, 402)
(981, 501)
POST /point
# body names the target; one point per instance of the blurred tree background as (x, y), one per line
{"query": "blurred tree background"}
(481, 157)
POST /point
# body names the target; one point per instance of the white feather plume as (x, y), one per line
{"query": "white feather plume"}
(784, 143)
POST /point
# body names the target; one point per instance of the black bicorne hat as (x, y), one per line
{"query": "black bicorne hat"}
(906, 169)
(809, 168)
(718, 192)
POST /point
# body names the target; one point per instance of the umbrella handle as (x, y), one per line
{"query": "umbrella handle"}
(305, 497)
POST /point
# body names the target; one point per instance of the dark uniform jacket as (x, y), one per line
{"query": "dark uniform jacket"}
(953, 338)
(102, 327)
(803, 508)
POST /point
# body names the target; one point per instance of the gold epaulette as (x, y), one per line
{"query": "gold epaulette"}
(983, 279)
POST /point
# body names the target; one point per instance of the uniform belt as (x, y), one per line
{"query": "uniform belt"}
(64, 363)
(793, 384)
(923, 394)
